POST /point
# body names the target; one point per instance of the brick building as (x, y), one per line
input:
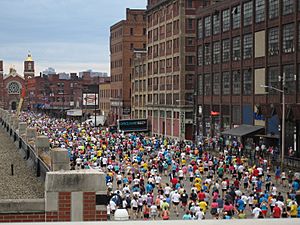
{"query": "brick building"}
(11, 84)
(57, 93)
(243, 45)
(104, 98)
(171, 27)
(139, 84)
(124, 37)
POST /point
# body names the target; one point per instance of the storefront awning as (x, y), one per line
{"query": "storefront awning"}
(243, 130)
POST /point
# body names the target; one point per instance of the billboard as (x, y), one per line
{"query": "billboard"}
(90, 99)
(132, 125)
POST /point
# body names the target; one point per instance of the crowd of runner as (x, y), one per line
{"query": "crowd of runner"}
(157, 177)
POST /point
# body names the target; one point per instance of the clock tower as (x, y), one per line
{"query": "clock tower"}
(28, 67)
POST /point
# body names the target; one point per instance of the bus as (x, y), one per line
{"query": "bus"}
(133, 125)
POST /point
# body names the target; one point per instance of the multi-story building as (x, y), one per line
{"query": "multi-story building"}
(243, 46)
(138, 84)
(104, 98)
(57, 93)
(171, 43)
(124, 37)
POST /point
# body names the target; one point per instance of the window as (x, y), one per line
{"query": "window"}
(190, 24)
(207, 84)
(247, 75)
(226, 83)
(14, 88)
(216, 23)
(273, 41)
(131, 31)
(207, 26)
(248, 13)
(287, 7)
(273, 9)
(207, 54)
(273, 78)
(189, 3)
(200, 55)
(248, 46)
(216, 52)
(236, 82)
(190, 60)
(236, 114)
(236, 49)
(288, 38)
(299, 35)
(226, 20)
(259, 11)
(200, 84)
(236, 17)
(200, 29)
(226, 50)
(216, 84)
(290, 78)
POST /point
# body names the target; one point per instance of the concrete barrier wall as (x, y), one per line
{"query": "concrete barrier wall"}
(25, 140)
(69, 195)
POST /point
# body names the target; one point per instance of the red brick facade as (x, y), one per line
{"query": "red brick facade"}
(64, 211)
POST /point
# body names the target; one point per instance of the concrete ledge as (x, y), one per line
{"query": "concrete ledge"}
(22, 205)
(288, 221)
(75, 181)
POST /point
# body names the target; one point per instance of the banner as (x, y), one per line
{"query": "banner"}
(21, 102)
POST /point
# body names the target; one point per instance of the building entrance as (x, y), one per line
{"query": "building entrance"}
(13, 105)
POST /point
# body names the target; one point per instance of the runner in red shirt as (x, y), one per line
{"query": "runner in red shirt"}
(276, 212)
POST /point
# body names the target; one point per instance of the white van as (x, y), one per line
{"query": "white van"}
(100, 120)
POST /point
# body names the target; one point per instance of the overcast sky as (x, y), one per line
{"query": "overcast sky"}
(68, 35)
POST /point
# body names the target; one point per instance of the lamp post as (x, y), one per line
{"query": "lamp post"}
(283, 118)
(95, 108)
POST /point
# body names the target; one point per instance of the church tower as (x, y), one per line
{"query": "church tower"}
(28, 67)
(1, 85)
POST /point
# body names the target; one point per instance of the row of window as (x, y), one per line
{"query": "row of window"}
(242, 48)
(242, 82)
(222, 21)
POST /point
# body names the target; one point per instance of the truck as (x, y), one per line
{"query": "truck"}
(100, 120)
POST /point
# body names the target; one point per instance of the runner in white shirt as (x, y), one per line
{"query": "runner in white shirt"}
(167, 190)
(157, 179)
(256, 211)
(280, 204)
(176, 201)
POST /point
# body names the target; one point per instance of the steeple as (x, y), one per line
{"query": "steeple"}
(29, 57)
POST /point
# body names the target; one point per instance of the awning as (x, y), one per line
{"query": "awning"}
(74, 112)
(243, 130)
(275, 136)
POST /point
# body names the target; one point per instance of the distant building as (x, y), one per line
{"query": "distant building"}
(94, 74)
(49, 71)
(125, 36)
(12, 84)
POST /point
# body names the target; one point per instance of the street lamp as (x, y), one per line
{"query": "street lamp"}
(283, 119)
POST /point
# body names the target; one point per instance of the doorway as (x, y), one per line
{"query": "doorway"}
(14, 105)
